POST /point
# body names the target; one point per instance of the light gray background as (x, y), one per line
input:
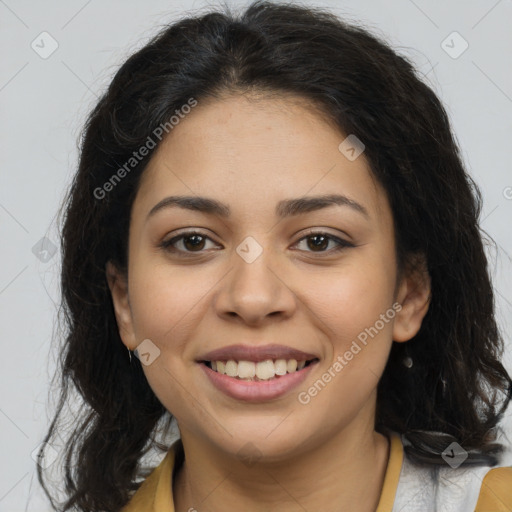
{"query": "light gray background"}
(43, 103)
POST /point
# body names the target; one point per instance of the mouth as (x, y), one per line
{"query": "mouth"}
(257, 381)
(255, 371)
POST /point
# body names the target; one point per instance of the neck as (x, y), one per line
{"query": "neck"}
(345, 473)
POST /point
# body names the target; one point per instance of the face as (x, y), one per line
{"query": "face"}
(316, 277)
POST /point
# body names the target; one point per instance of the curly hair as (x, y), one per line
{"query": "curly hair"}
(457, 388)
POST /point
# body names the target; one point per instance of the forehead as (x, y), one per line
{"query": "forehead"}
(250, 152)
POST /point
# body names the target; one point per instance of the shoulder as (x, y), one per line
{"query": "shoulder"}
(496, 491)
(155, 493)
(141, 499)
(447, 489)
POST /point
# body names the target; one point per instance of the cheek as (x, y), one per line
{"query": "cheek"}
(354, 311)
(165, 300)
(352, 299)
(165, 306)
(355, 314)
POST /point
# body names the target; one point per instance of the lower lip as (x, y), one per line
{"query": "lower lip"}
(257, 391)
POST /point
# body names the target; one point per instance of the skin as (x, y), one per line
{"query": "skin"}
(250, 153)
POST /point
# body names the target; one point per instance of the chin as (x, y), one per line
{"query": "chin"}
(252, 445)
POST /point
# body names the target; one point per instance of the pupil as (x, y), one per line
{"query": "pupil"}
(196, 244)
(322, 244)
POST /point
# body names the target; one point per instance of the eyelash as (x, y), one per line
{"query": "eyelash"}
(167, 245)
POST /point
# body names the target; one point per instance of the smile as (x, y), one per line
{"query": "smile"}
(257, 381)
(257, 371)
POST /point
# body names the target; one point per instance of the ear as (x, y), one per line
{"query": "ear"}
(414, 294)
(118, 284)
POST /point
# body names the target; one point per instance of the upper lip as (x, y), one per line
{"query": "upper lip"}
(253, 353)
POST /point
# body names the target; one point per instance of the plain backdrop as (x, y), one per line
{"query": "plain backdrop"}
(57, 57)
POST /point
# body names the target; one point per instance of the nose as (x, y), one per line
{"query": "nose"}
(256, 292)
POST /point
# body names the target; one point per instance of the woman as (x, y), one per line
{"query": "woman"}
(271, 212)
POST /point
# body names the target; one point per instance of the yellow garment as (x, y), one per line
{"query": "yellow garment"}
(155, 493)
(496, 491)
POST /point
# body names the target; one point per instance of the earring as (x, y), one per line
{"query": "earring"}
(130, 355)
(407, 362)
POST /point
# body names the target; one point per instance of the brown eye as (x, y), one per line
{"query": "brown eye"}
(193, 242)
(319, 241)
(190, 242)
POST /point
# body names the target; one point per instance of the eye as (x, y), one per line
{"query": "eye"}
(195, 241)
(320, 240)
(188, 242)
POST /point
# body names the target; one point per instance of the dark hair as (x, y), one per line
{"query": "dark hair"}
(361, 85)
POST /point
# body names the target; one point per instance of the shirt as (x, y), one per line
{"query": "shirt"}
(406, 488)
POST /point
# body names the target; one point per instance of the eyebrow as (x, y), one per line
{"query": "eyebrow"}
(284, 208)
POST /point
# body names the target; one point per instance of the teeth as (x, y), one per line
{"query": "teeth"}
(265, 369)
(262, 370)
(291, 365)
(232, 368)
(280, 365)
(246, 369)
